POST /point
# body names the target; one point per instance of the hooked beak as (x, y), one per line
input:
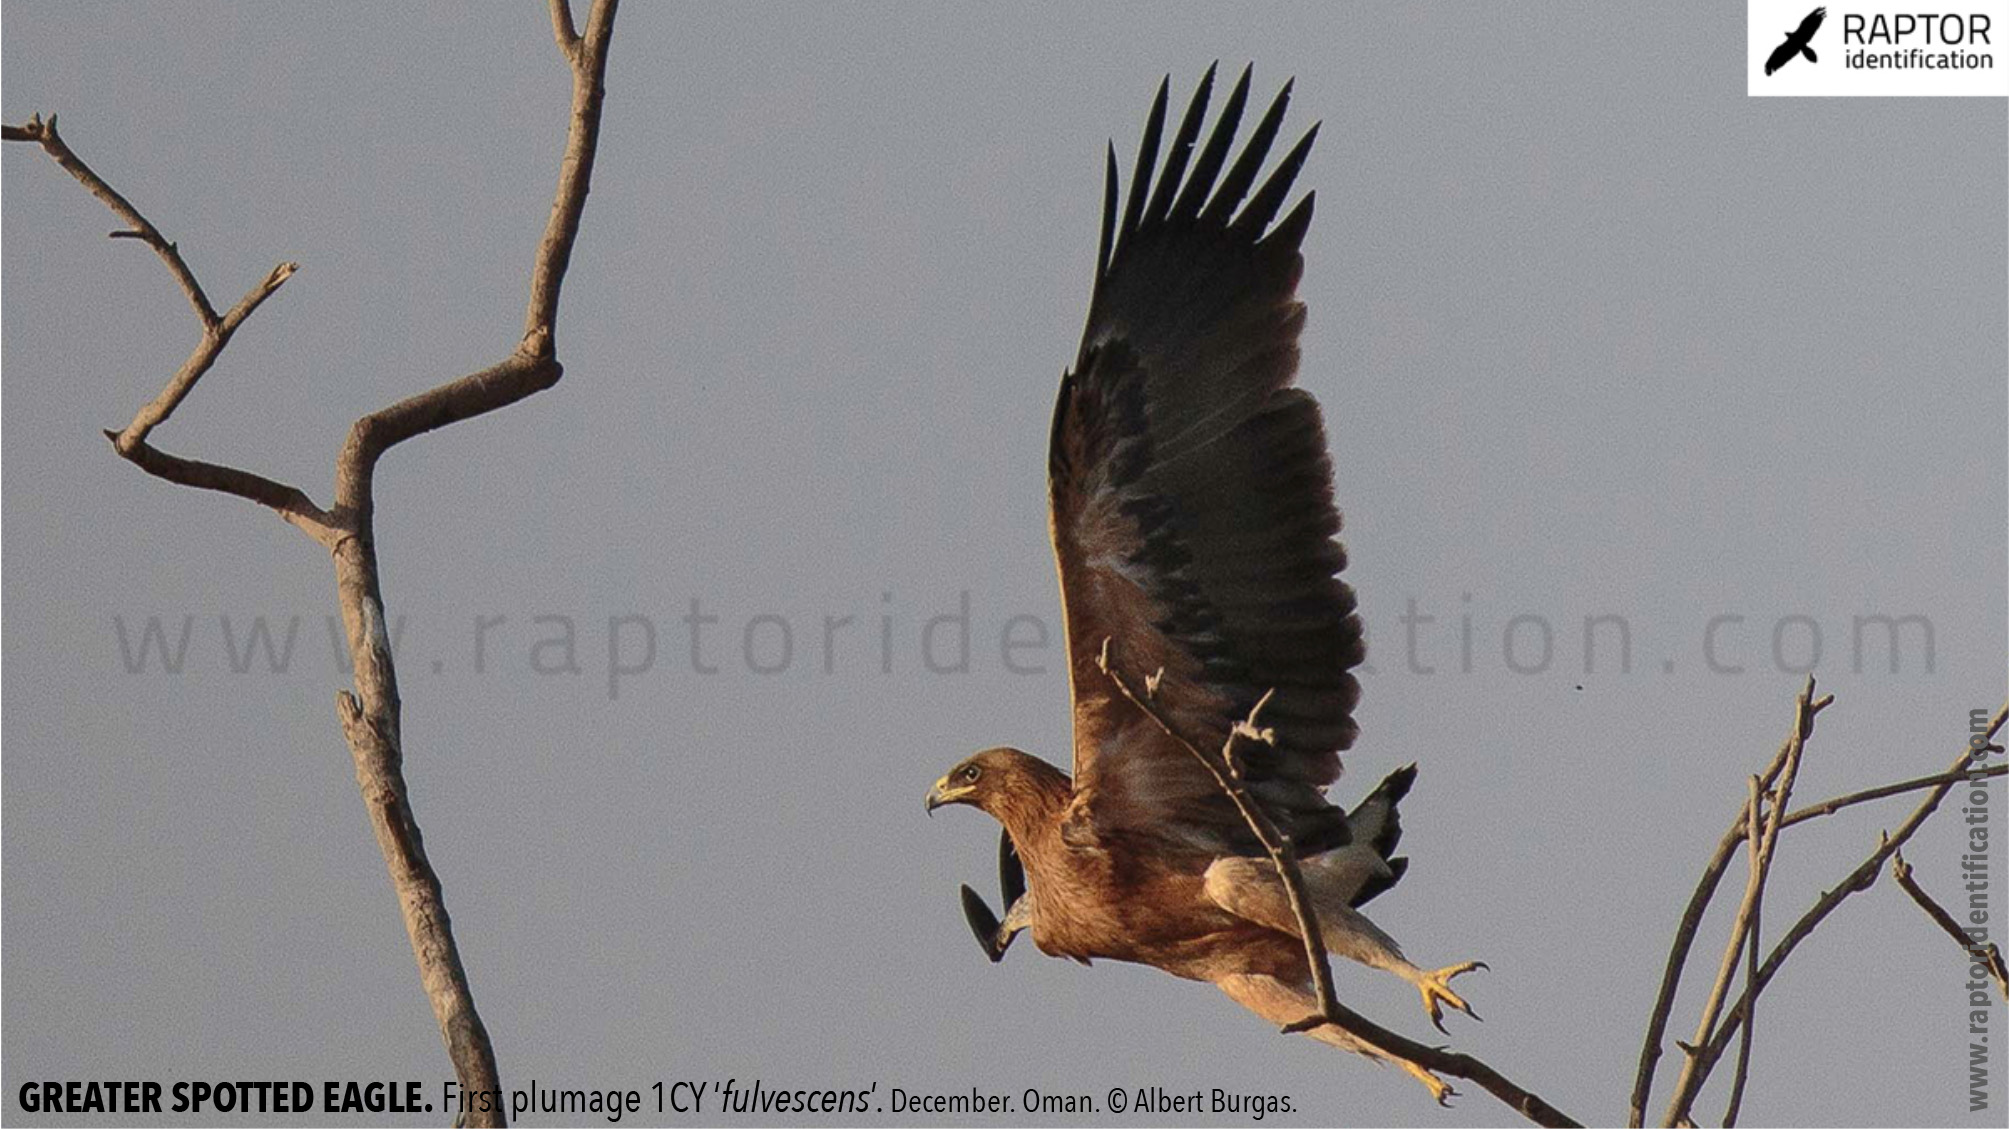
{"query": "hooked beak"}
(946, 793)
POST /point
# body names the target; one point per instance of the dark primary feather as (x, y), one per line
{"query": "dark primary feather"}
(1182, 151)
(1187, 206)
(1147, 155)
(1193, 519)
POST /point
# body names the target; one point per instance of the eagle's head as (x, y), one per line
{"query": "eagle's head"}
(1000, 781)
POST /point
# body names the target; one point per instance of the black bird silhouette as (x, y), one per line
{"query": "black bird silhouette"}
(1798, 42)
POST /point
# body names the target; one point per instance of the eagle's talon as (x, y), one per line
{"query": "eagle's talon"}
(1436, 989)
(1315, 1020)
(1439, 1089)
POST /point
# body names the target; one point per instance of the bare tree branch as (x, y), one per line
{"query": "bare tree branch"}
(1684, 938)
(1743, 927)
(1754, 837)
(1988, 955)
(562, 29)
(291, 502)
(1709, 1051)
(138, 226)
(1860, 879)
(215, 336)
(1277, 843)
(588, 55)
(1832, 806)
(533, 366)
(370, 716)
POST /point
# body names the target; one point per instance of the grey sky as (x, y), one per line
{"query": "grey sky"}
(1595, 334)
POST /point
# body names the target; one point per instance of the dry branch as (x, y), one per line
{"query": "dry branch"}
(1705, 1057)
(1987, 955)
(1712, 874)
(290, 502)
(1754, 836)
(1227, 773)
(1743, 929)
(137, 226)
(1684, 934)
(1836, 804)
(370, 715)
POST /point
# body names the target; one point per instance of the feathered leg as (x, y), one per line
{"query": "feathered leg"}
(1281, 1003)
(1250, 888)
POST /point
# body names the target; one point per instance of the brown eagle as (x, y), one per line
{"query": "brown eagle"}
(1194, 530)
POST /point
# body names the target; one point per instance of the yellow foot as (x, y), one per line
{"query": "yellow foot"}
(1436, 989)
(1439, 1089)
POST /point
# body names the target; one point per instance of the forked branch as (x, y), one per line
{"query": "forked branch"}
(290, 502)
(370, 714)
(1743, 929)
(1705, 1053)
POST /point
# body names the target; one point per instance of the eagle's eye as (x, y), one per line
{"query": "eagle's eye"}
(970, 774)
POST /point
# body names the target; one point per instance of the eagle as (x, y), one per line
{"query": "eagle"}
(1195, 535)
(1799, 41)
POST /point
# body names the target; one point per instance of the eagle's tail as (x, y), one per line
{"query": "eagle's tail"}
(1377, 822)
(1808, 51)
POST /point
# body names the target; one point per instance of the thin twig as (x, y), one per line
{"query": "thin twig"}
(588, 55)
(1986, 954)
(1742, 927)
(1754, 837)
(1859, 879)
(139, 227)
(1830, 807)
(1227, 774)
(533, 365)
(1277, 842)
(214, 338)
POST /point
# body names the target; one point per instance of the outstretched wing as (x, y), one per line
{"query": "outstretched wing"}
(1193, 521)
(1809, 26)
